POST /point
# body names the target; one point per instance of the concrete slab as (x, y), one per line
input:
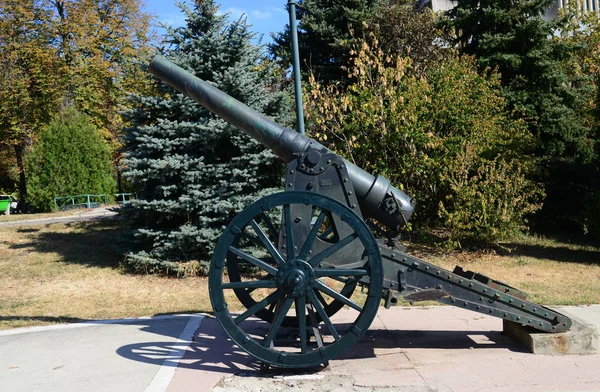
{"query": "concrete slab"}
(581, 338)
(116, 355)
(407, 349)
(422, 349)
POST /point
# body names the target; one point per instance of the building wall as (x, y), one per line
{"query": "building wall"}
(584, 5)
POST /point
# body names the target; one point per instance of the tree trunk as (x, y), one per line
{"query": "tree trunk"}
(20, 152)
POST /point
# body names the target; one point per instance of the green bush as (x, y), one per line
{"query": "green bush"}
(70, 158)
(443, 137)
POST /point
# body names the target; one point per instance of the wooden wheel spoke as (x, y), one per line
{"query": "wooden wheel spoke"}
(281, 313)
(323, 315)
(258, 306)
(321, 299)
(315, 260)
(255, 284)
(334, 294)
(301, 316)
(267, 243)
(314, 326)
(310, 239)
(253, 260)
(272, 228)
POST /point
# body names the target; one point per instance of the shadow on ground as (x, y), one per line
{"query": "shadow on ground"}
(211, 350)
(98, 243)
(556, 253)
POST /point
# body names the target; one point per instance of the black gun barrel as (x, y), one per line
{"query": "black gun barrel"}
(284, 142)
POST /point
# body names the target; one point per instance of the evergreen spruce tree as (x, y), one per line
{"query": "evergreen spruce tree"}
(514, 38)
(192, 171)
(326, 29)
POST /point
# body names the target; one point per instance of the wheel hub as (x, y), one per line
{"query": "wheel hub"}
(295, 278)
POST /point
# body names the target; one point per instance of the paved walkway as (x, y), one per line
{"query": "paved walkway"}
(406, 349)
(82, 215)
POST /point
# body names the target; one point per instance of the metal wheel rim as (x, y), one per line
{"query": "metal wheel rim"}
(260, 349)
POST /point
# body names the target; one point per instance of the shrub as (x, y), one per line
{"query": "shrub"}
(70, 158)
(445, 138)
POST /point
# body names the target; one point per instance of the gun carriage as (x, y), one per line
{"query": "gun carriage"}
(295, 258)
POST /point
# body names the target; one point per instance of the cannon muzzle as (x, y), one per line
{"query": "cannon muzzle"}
(372, 191)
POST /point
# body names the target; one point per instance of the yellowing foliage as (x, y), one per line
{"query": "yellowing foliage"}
(444, 137)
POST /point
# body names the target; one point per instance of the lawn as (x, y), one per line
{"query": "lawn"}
(69, 272)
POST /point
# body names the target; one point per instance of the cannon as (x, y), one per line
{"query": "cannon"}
(286, 264)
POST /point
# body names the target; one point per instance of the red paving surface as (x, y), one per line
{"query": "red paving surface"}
(438, 348)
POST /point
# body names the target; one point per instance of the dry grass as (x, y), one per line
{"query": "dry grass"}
(549, 271)
(69, 272)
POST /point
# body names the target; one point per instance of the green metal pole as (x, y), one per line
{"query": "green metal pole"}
(296, 66)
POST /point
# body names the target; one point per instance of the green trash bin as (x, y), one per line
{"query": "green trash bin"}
(6, 202)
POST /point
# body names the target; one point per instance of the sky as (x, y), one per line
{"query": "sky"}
(265, 16)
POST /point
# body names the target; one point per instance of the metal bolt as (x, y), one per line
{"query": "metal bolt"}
(518, 318)
(291, 172)
(321, 168)
(470, 284)
(329, 161)
(485, 290)
(345, 180)
(504, 315)
(290, 185)
(353, 206)
(349, 193)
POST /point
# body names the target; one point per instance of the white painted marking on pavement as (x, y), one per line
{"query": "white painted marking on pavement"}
(165, 374)
(91, 323)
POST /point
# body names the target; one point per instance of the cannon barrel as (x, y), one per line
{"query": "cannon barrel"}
(284, 142)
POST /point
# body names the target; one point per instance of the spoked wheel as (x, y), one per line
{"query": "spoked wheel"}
(293, 280)
(245, 295)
